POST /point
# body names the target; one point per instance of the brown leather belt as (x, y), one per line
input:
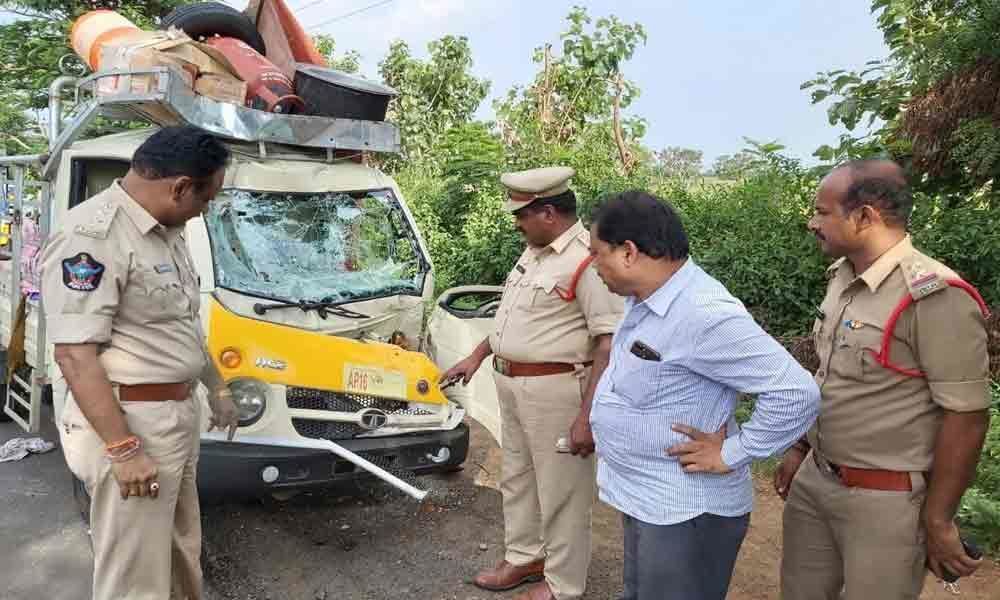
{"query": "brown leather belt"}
(510, 368)
(154, 392)
(869, 479)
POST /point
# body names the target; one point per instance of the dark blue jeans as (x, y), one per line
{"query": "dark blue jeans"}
(692, 560)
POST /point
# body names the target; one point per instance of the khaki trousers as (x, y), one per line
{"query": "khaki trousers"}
(547, 496)
(864, 544)
(144, 548)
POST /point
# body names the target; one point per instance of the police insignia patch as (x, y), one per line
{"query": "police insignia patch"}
(82, 272)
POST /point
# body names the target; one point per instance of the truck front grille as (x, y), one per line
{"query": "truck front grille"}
(325, 430)
(310, 399)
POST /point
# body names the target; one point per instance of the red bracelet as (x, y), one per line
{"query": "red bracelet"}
(126, 442)
(123, 451)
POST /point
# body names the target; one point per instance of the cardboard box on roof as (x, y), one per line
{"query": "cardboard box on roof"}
(139, 58)
(222, 88)
(201, 67)
(208, 59)
(176, 45)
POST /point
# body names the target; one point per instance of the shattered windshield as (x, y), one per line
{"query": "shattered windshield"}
(329, 247)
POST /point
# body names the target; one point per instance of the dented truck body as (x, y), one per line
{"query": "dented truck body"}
(315, 284)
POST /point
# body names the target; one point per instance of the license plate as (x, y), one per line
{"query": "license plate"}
(374, 381)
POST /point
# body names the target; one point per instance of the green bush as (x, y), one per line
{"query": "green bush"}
(965, 237)
(980, 510)
(750, 234)
(472, 241)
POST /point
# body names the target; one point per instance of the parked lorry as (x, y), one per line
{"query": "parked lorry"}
(315, 280)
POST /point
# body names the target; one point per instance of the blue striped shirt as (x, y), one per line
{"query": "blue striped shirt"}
(711, 350)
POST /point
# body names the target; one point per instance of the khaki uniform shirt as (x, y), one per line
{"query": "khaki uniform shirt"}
(871, 416)
(113, 276)
(534, 324)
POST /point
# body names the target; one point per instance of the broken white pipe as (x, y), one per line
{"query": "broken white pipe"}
(418, 494)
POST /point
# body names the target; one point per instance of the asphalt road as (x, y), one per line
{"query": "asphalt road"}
(363, 541)
(44, 545)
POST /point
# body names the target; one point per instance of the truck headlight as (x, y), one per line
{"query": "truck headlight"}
(250, 396)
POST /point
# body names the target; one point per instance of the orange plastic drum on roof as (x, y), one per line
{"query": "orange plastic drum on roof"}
(99, 28)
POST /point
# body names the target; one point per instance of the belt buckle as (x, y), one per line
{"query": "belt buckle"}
(826, 465)
(502, 366)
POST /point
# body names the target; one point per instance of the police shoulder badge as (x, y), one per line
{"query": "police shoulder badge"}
(82, 272)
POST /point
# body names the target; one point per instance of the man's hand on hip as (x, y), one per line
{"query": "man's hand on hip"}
(225, 415)
(703, 454)
(581, 437)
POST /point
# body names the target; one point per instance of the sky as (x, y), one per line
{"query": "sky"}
(710, 74)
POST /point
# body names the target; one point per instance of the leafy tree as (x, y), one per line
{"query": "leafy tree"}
(755, 156)
(435, 94)
(141, 12)
(731, 166)
(583, 88)
(468, 163)
(349, 62)
(34, 51)
(931, 103)
(675, 161)
(30, 51)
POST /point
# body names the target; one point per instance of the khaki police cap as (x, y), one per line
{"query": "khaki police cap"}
(524, 187)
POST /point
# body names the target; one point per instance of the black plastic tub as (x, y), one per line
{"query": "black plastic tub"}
(331, 93)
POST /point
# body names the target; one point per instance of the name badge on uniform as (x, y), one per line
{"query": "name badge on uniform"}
(161, 269)
(520, 269)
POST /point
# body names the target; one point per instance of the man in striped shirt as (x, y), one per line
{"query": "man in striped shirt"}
(671, 456)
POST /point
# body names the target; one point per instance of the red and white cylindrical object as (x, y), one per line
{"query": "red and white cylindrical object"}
(268, 89)
(97, 29)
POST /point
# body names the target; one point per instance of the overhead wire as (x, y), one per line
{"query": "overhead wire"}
(347, 14)
(309, 5)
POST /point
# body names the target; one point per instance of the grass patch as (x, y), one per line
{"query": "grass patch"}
(766, 468)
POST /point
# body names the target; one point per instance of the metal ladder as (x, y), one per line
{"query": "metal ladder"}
(22, 396)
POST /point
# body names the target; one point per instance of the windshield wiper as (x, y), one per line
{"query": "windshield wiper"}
(323, 308)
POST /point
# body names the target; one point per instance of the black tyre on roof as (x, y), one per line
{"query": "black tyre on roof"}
(206, 19)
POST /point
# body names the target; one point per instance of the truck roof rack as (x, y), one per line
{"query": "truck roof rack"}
(171, 101)
(168, 100)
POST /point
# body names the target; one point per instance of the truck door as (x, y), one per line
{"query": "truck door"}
(24, 338)
(462, 318)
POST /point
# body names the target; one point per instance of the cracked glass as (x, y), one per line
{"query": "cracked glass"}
(325, 247)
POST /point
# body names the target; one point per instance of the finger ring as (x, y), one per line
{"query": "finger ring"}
(154, 487)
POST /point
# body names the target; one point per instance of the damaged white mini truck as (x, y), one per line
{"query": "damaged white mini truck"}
(316, 287)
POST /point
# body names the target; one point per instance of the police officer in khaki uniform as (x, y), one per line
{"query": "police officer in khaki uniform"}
(121, 302)
(903, 414)
(550, 344)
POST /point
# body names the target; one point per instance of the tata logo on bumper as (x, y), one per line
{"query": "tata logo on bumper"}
(271, 363)
(373, 418)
